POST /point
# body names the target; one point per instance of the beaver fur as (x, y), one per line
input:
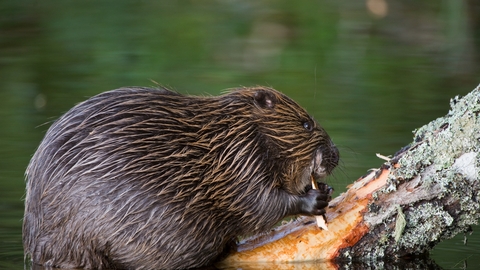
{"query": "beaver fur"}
(141, 178)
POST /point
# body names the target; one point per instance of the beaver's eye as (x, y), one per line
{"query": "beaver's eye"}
(308, 126)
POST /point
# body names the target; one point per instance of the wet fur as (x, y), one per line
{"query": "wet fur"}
(148, 178)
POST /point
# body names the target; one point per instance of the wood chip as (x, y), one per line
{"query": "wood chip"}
(321, 221)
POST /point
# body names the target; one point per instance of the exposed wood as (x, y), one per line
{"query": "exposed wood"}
(427, 192)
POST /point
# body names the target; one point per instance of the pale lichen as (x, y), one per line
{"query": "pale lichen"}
(436, 185)
(428, 221)
(452, 145)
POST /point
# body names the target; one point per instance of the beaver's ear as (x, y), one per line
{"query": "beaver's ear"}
(265, 99)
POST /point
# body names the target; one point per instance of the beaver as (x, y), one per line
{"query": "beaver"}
(138, 178)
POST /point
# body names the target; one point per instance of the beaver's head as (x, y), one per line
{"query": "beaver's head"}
(295, 146)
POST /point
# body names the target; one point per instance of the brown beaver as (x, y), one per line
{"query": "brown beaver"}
(148, 178)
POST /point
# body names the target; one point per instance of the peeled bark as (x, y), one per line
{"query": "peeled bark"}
(429, 191)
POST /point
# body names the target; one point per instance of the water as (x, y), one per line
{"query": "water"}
(368, 76)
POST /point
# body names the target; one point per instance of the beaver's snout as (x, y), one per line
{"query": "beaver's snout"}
(325, 159)
(331, 156)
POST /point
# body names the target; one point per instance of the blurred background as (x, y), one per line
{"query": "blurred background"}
(369, 71)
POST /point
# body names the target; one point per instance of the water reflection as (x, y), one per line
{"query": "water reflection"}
(413, 263)
(369, 74)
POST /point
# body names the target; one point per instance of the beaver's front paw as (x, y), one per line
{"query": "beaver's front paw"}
(314, 202)
(324, 188)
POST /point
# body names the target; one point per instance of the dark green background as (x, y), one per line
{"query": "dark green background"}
(368, 79)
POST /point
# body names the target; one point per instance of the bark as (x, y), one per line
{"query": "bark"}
(429, 191)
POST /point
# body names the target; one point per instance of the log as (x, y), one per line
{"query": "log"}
(427, 192)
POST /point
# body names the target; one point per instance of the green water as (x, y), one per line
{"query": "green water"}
(368, 79)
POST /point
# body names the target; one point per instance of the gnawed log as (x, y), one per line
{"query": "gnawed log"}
(429, 191)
